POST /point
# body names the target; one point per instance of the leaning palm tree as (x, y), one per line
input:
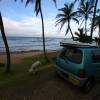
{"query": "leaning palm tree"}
(85, 11)
(97, 24)
(38, 10)
(66, 16)
(6, 44)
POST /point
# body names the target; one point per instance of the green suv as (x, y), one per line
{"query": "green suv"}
(80, 65)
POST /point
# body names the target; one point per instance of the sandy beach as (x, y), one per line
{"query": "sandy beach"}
(18, 57)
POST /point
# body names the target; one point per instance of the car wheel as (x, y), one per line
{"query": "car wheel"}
(88, 85)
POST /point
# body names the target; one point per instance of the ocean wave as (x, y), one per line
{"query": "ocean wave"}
(30, 43)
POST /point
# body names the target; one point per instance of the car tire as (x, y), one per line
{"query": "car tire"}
(88, 85)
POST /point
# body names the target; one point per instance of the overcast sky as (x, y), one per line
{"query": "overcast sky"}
(21, 21)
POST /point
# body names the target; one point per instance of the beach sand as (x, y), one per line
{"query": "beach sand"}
(18, 57)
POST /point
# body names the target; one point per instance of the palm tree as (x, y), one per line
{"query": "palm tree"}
(6, 44)
(66, 16)
(85, 11)
(91, 2)
(94, 14)
(82, 36)
(39, 10)
(97, 24)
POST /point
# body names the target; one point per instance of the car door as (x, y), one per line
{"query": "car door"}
(96, 62)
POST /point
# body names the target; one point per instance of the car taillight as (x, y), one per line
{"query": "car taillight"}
(82, 73)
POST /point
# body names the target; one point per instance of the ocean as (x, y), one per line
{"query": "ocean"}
(25, 44)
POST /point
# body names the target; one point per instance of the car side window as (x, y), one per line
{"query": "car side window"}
(63, 52)
(96, 56)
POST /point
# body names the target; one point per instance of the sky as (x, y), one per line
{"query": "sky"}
(21, 21)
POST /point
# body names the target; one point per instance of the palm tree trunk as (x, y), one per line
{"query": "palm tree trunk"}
(6, 44)
(44, 50)
(70, 30)
(71, 33)
(95, 6)
(85, 27)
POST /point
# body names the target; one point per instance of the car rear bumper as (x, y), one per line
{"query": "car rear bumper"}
(70, 77)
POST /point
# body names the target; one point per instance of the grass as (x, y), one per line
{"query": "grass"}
(19, 84)
(19, 72)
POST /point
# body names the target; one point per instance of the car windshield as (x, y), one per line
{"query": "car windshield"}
(73, 55)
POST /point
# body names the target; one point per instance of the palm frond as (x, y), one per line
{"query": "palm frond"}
(81, 23)
(97, 21)
(85, 10)
(28, 1)
(55, 2)
(74, 14)
(75, 19)
(98, 11)
(37, 6)
(91, 2)
(60, 15)
(75, 1)
(78, 34)
(63, 23)
(63, 10)
(82, 2)
(60, 21)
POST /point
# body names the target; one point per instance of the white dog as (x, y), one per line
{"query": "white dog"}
(34, 67)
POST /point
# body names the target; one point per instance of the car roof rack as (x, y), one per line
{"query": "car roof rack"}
(77, 44)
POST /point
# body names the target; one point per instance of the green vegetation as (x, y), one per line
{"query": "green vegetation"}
(2, 65)
(19, 84)
(19, 74)
(82, 36)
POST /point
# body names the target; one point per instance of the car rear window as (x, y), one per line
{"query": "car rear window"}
(73, 55)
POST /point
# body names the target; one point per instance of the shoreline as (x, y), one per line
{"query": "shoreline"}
(19, 52)
(17, 57)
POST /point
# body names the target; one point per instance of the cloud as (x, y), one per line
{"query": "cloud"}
(31, 26)
(28, 26)
(25, 26)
